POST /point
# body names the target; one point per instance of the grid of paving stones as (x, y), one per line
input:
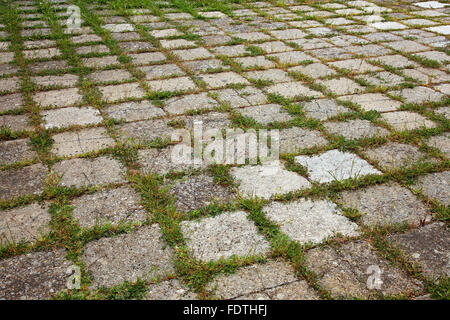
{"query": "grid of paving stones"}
(91, 178)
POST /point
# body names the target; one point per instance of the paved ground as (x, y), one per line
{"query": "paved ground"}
(93, 207)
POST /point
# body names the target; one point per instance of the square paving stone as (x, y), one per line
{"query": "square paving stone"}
(179, 105)
(15, 123)
(267, 281)
(355, 65)
(267, 113)
(136, 46)
(100, 62)
(142, 132)
(355, 129)
(443, 111)
(407, 46)
(127, 257)
(384, 205)
(388, 25)
(314, 43)
(308, 221)
(125, 36)
(331, 53)
(254, 62)
(209, 65)
(119, 27)
(16, 151)
(294, 139)
(294, 89)
(18, 182)
(24, 224)
(9, 84)
(161, 71)
(147, 57)
(133, 111)
(12, 101)
(194, 192)
(342, 86)
(173, 84)
(122, 92)
(71, 116)
(110, 75)
(223, 79)
(345, 271)
(73, 143)
(223, 236)
(58, 98)
(67, 80)
(292, 57)
(177, 43)
(193, 54)
(272, 75)
(34, 276)
(314, 70)
(406, 120)
(246, 96)
(288, 34)
(169, 290)
(264, 181)
(41, 53)
(230, 51)
(273, 47)
(396, 61)
(252, 36)
(419, 95)
(441, 142)
(373, 102)
(323, 109)
(6, 57)
(435, 186)
(85, 38)
(112, 206)
(89, 172)
(395, 155)
(428, 246)
(335, 165)
(214, 40)
(165, 33)
(85, 50)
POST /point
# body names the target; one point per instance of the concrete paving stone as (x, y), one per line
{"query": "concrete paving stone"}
(355, 65)
(386, 204)
(89, 172)
(223, 236)
(335, 165)
(320, 31)
(179, 105)
(406, 120)
(338, 21)
(444, 88)
(194, 192)
(347, 270)
(122, 92)
(98, 48)
(427, 75)
(428, 246)
(323, 109)
(444, 111)
(22, 181)
(58, 98)
(142, 132)
(192, 54)
(177, 43)
(112, 206)
(67, 80)
(346, 40)
(85, 38)
(165, 33)
(288, 34)
(214, 40)
(169, 290)
(407, 46)
(416, 33)
(355, 129)
(126, 36)
(438, 56)
(382, 36)
(273, 47)
(396, 61)
(298, 290)
(9, 84)
(368, 50)
(200, 66)
(254, 62)
(267, 113)
(388, 25)
(384, 79)
(373, 101)
(100, 62)
(223, 79)
(46, 53)
(212, 14)
(161, 71)
(435, 186)
(230, 51)
(331, 53)
(16, 151)
(6, 57)
(110, 75)
(143, 18)
(292, 57)
(172, 84)
(16, 123)
(430, 4)
(441, 142)
(8, 69)
(136, 46)
(445, 30)
(309, 44)
(265, 181)
(72, 143)
(395, 155)
(33, 276)
(178, 16)
(119, 27)
(308, 221)
(314, 70)
(273, 75)
(252, 36)
(35, 33)
(127, 257)
(246, 96)
(293, 89)
(147, 57)
(133, 111)
(294, 139)
(71, 116)
(342, 86)
(419, 22)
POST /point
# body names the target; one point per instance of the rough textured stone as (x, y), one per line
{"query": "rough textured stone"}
(293, 90)
(179, 105)
(309, 221)
(23, 224)
(169, 290)
(385, 205)
(373, 101)
(110, 206)
(273, 75)
(122, 92)
(141, 253)
(71, 116)
(33, 276)
(435, 186)
(110, 75)
(406, 120)
(345, 272)
(222, 236)
(244, 97)
(173, 84)
(314, 70)
(323, 109)
(161, 71)
(23, 181)
(220, 80)
(295, 139)
(89, 172)
(419, 95)
(58, 98)
(355, 129)
(142, 132)
(16, 151)
(342, 86)
(266, 114)
(335, 165)
(12, 101)
(441, 142)
(133, 111)
(265, 181)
